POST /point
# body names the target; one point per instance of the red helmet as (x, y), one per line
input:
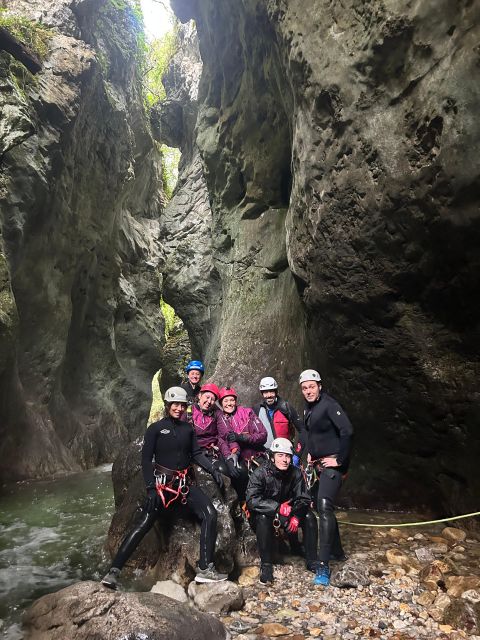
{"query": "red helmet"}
(212, 387)
(224, 392)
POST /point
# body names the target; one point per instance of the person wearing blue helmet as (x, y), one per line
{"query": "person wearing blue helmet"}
(194, 370)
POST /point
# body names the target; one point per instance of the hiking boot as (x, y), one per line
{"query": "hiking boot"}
(322, 575)
(111, 579)
(210, 574)
(313, 566)
(266, 573)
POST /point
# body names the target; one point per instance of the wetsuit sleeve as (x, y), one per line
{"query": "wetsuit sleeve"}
(301, 499)
(148, 452)
(300, 429)
(256, 430)
(199, 456)
(255, 495)
(340, 419)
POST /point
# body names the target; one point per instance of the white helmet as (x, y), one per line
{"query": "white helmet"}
(281, 445)
(268, 384)
(176, 394)
(309, 374)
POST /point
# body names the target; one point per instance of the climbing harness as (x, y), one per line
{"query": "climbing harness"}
(174, 482)
(276, 525)
(410, 524)
(213, 451)
(312, 470)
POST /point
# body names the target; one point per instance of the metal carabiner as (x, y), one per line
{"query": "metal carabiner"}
(276, 525)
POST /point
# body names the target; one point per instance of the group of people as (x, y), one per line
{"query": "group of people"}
(260, 449)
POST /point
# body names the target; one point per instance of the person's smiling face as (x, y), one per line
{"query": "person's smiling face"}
(229, 404)
(311, 390)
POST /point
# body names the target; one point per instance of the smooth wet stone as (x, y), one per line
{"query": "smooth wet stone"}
(456, 585)
(454, 534)
(171, 590)
(216, 597)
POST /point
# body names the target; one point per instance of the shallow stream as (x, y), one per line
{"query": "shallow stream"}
(51, 535)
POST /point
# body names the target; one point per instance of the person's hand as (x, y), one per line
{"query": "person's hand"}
(231, 436)
(285, 509)
(309, 458)
(293, 523)
(243, 437)
(217, 476)
(296, 460)
(152, 501)
(329, 461)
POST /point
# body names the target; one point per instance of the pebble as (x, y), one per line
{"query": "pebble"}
(396, 605)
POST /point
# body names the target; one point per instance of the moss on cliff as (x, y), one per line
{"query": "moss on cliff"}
(32, 34)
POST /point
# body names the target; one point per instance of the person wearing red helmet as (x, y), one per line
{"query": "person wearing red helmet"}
(204, 417)
(241, 438)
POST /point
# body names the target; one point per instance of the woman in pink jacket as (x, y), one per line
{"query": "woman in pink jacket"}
(241, 436)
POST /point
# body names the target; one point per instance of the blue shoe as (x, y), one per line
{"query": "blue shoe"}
(322, 576)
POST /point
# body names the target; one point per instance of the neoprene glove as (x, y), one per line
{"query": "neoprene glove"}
(235, 471)
(153, 500)
(285, 509)
(293, 523)
(231, 436)
(217, 476)
(243, 437)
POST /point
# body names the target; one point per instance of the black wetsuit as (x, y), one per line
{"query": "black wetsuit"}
(329, 434)
(173, 445)
(267, 488)
(192, 392)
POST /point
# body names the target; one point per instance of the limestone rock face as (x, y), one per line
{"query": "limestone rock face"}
(338, 144)
(87, 610)
(80, 327)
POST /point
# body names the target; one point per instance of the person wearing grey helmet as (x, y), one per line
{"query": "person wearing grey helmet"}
(279, 417)
(278, 501)
(329, 440)
(169, 448)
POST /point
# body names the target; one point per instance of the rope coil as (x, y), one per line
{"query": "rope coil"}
(409, 524)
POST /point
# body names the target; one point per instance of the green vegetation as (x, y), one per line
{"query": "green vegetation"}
(32, 34)
(170, 160)
(158, 55)
(169, 316)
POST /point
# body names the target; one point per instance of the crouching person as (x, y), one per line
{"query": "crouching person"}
(171, 445)
(277, 499)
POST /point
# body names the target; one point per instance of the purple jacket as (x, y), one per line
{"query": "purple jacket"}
(242, 421)
(205, 425)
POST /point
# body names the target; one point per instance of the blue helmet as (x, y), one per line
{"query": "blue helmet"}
(195, 364)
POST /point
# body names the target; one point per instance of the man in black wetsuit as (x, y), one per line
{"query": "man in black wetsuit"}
(172, 445)
(329, 437)
(277, 498)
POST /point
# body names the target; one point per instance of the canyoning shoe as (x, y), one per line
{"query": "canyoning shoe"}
(111, 579)
(210, 574)
(322, 575)
(266, 573)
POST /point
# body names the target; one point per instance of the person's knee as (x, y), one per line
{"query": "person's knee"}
(210, 514)
(310, 519)
(325, 506)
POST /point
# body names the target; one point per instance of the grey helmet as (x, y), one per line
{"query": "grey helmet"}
(281, 445)
(309, 374)
(176, 394)
(268, 384)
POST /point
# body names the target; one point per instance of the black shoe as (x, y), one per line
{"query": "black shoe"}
(266, 573)
(111, 579)
(338, 557)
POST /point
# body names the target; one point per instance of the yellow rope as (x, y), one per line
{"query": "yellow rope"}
(409, 524)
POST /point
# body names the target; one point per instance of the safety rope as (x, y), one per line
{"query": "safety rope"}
(409, 524)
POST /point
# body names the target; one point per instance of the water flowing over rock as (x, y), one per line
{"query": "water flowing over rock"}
(338, 148)
(86, 610)
(80, 327)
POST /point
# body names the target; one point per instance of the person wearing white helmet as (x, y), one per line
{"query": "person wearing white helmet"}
(169, 448)
(279, 417)
(329, 440)
(277, 500)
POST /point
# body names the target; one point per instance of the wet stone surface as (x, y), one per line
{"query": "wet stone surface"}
(396, 603)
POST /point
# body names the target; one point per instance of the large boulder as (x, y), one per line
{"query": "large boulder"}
(87, 610)
(172, 546)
